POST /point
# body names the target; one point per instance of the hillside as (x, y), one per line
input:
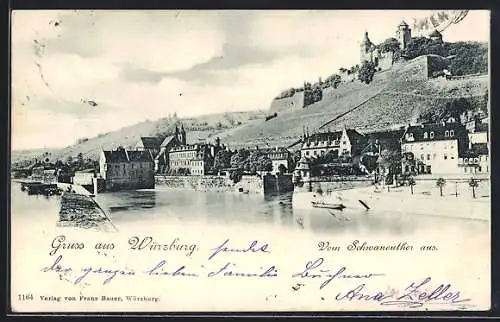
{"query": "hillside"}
(394, 98)
(198, 129)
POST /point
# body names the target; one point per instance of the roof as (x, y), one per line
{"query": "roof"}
(123, 155)
(150, 142)
(479, 148)
(86, 171)
(385, 134)
(482, 127)
(353, 135)
(439, 130)
(167, 140)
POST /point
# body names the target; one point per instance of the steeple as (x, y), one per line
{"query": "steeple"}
(183, 135)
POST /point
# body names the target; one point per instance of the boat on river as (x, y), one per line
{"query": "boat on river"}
(372, 199)
(322, 204)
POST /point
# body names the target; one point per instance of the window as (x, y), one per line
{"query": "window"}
(422, 157)
(314, 152)
(445, 157)
(307, 152)
(446, 134)
(452, 133)
(431, 135)
(425, 135)
(344, 142)
(428, 156)
(411, 136)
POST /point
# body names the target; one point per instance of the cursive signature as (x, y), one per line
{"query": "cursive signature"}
(253, 247)
(312, 270)
(414, 296)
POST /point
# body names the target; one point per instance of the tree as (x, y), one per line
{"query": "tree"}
(238, 159)
(282, 168)
(411, 183)
(222, 160)
(440, 183)
(81, 162)
(390, 45)
(264, 163)
(390, 160)
(366, 72)
(473, 183)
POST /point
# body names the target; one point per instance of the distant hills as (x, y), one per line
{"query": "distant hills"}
(394, 98)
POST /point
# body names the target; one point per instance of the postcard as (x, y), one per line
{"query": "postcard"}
(250, 161)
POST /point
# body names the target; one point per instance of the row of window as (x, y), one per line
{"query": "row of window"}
(124, 172)
(430, 135)
(185, 162)
(410, 147)
(197, 172)
(182, 155)
(445, 157)
(118, 166)
(322, 152)
(317, 143)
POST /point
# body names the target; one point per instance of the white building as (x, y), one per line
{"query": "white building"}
(437, 146)
(347, 142)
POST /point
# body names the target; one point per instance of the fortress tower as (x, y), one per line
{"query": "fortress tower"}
(366, 49)
(403, 34)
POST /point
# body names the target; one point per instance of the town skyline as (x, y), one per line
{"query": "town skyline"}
(220, 65)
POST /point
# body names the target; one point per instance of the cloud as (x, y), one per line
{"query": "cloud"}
(141, 65)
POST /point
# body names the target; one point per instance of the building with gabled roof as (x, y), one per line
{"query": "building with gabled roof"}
(124, 170)
(437, 146)
(345, 142)
(149, 143)
(161, 161)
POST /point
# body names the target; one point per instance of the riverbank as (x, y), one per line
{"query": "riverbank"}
(457, 199)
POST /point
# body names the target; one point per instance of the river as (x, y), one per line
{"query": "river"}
(164, 207)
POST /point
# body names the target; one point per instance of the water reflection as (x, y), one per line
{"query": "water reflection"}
(130, 207)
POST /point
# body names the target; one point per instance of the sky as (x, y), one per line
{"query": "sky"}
(80, 73)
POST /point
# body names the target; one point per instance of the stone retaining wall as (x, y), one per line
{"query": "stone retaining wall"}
(247, 184)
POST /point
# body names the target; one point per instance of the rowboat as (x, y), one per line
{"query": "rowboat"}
(322, 204)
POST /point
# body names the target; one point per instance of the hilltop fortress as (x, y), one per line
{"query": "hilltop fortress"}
(384, 60)
(372, 53)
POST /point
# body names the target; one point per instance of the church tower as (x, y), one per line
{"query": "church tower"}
(177, 136)
(183, 135)
(403, 34)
